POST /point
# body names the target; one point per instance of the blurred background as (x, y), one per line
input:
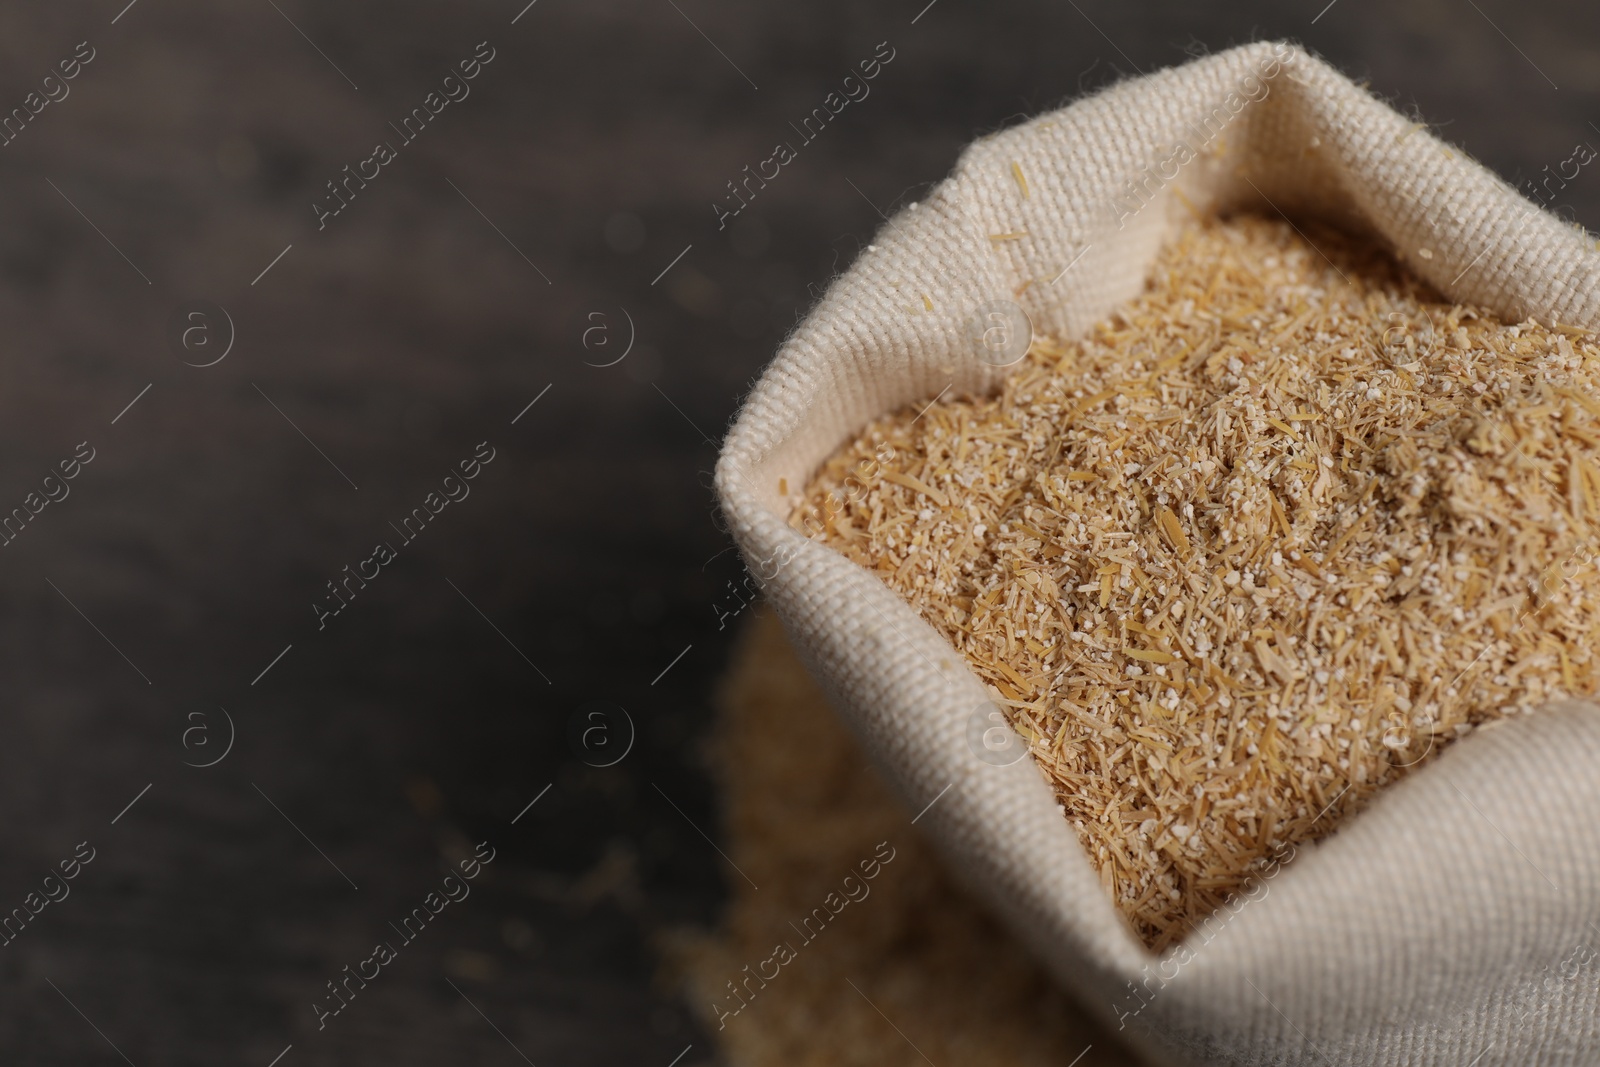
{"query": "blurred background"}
(268, 772)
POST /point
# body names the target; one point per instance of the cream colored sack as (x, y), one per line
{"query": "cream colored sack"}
(1456, 921)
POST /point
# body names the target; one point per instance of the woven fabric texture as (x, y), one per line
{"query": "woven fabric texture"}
(1458, 916)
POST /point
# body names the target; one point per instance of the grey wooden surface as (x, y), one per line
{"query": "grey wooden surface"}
(378, 352)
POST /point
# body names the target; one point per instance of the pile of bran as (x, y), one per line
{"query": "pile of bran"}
(1271, 536)
(914, 973)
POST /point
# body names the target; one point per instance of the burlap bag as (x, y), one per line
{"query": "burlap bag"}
(1456, 921)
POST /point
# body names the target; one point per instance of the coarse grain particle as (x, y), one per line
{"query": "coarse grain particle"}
(1022, 181)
